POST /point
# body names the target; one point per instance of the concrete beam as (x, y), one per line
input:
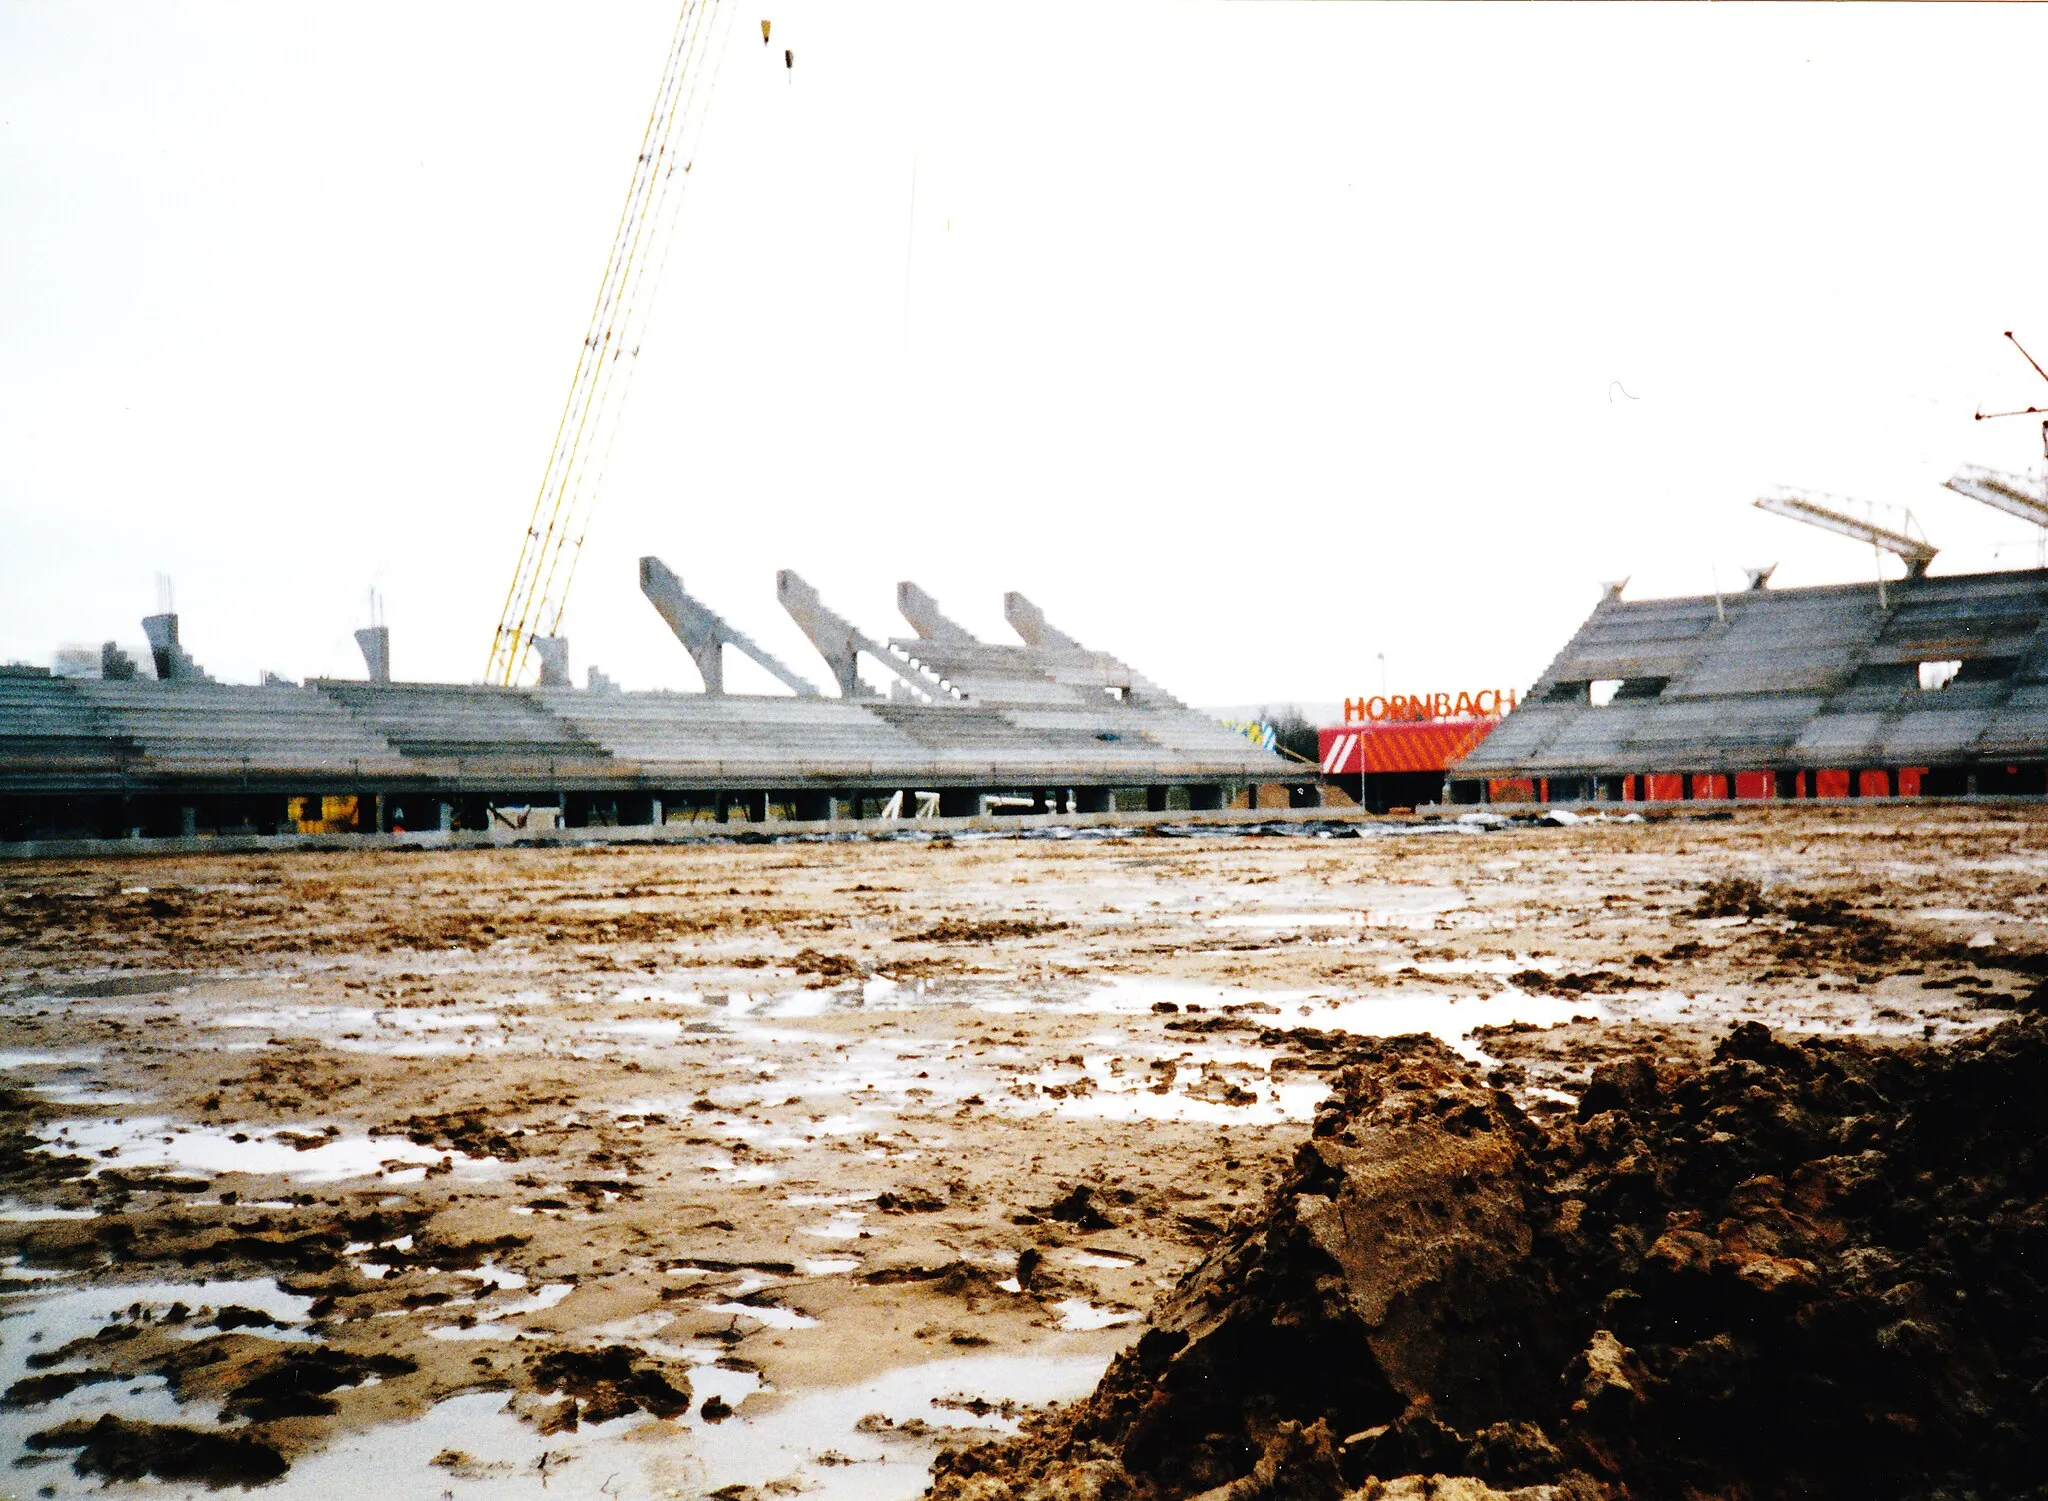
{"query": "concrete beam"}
(173, 662)
(925, 617)
(835, 637)
(841, 643)
(706, 634)
(1028, 621)
(553, 652)
(374, 641)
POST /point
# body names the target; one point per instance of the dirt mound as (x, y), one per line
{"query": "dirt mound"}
(607, 1383)
(123, 1450)
(1811, 1271)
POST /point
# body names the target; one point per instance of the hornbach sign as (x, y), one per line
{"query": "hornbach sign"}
(1487, 703)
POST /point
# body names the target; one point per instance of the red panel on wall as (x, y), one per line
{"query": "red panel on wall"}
(1664, 788)
(1873, 784)
(1831, 784)
(1511, 790)
(1909, 780)
(1348, 749)
(1710, 785)
(1756, 784)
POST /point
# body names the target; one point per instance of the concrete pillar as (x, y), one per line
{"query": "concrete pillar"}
(188, 816)
(446, 820)
(757, 807)
(657, 815)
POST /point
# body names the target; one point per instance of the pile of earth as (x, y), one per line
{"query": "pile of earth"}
(1811, 1270)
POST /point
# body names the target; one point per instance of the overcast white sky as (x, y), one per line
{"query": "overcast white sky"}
(1249, 340)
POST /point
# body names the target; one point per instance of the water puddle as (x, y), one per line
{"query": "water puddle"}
(43, 1319)
(868, 1442)
(305, 1156)
(873, 1441)
(764, 1313)
(30, 1058)
(14, 1212)
(1450, 1017)
(85, 1094)
(1079, 1313)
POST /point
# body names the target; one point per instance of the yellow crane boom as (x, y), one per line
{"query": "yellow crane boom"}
(604, 365)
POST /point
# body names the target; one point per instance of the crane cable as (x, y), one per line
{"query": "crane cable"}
(663, 219)
(568, 490)
(556, 516)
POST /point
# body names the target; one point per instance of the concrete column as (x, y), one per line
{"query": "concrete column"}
(188, 816)
(446, 820)
(656, 814)
(757, 807)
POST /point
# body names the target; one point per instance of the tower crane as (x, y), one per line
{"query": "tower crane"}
(611, 348)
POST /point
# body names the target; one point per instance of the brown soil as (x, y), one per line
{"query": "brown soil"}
(881, 1161)
(1789, 1271)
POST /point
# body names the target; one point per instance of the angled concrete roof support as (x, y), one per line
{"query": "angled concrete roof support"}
(837, 639)
(553, 652)
(705, 632)
(173, 662)
(925, 617)
(375, 643)
(1028, 621)
(840, 643)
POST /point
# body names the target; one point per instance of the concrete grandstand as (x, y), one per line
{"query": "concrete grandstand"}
(967, 728)
(1927, 685)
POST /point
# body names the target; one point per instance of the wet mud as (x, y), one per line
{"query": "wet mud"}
(671, 1168)
(1812, 1269)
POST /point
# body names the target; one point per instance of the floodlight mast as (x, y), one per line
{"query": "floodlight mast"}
(2019, 412)
(1803, 505)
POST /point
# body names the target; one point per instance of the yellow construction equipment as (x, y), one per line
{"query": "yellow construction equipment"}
(605, 364)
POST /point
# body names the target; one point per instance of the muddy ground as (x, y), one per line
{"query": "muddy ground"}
(781, 1167)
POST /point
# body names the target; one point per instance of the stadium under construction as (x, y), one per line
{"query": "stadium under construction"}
(1925, 686)
(967, 728)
